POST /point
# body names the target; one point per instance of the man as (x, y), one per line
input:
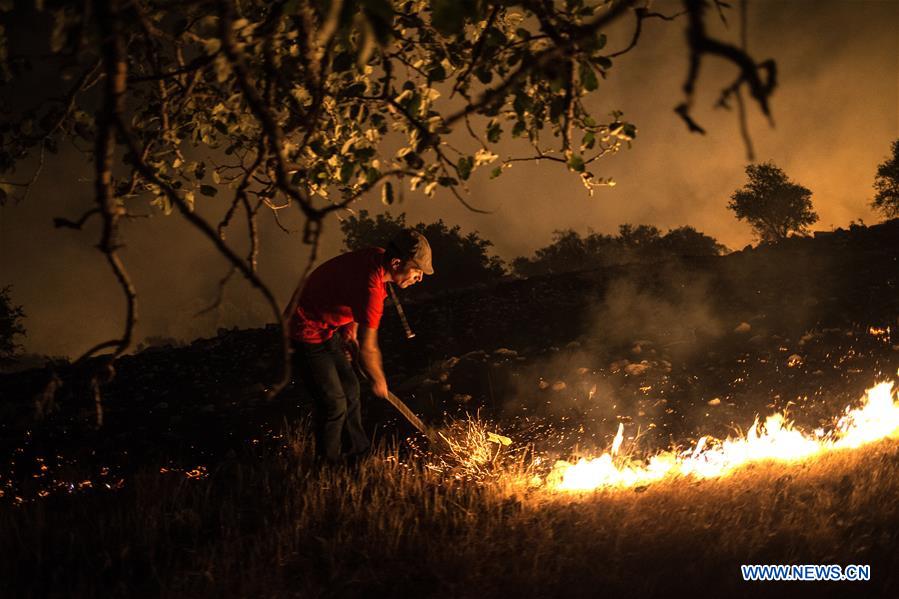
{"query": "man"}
(346, 294)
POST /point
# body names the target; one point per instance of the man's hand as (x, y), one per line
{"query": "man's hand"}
(350, 349)
(379, 389)
(350, 341)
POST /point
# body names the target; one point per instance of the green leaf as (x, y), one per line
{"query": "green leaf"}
(208, 190)
(521, 103)
(346, 171)
(519, 128)
(437, 73)
(447, 181)
(485, 76)
(494, 131)
(496, 172)
(576, 163)
(588, 77)
(589, 140)
(414, 160)
(465, 164)
(372, 174)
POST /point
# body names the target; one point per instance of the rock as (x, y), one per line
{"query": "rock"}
(806, 338)
(637, 369)
(637, 349)
(618, 365)
(794, 360)
(714, 402)
(505, 353)
(582, 371)
(542, 385)
(743, 327)
(559, 386)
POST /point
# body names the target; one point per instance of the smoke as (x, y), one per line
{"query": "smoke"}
(645, 325)
(667, 313)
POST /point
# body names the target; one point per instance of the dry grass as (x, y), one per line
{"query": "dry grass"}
(276, 527)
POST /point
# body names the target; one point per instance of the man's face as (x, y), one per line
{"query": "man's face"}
(405, 275)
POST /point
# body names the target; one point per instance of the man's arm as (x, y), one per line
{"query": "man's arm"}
(370, 354)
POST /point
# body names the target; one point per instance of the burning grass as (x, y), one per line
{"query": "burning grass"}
(274, 525)
(877, 418)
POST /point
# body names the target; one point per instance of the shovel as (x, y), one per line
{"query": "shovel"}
(398, 403)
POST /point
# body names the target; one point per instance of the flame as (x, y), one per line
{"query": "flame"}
(776, 439)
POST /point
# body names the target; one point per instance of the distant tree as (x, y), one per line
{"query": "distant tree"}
(886, 183)
(639, 237)
(634, 243)
(567, 251)
(772, 204)
(10, 326)
(687, 241)
(460, 260)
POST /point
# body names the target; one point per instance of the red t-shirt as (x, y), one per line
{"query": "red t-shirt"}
(347, 288)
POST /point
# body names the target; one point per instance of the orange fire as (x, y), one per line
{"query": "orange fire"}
(776, 439)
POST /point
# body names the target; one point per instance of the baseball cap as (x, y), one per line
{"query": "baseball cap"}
(413, 245)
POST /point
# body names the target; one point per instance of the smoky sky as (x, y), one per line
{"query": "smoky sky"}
(835, 112)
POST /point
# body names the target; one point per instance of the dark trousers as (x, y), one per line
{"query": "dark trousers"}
(326, 373)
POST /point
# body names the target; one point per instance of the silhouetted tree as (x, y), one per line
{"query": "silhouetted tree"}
(460, 260)
(772, 204)
(886, 183)
(11, 326)
(687, 241)
(641, 243)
